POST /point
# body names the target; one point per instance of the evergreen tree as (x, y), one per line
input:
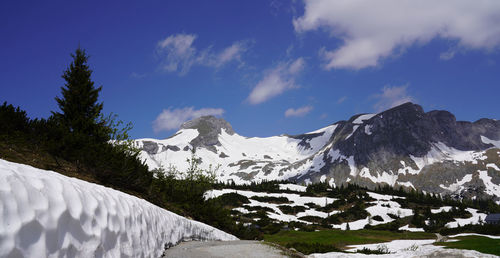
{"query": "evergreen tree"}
(81, 112)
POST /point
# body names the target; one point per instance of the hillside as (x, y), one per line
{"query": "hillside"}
(400, 147)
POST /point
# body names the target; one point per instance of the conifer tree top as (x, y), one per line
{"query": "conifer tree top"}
(79, 105)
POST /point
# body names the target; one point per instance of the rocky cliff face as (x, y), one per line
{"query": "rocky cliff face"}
(403, 146)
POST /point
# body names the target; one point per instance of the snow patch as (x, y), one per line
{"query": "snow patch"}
(405, 249)
(475, 219)
(441, 209)
(293, 187)
(362, 118)
(407, 228)
(353, 130)
(458, 185)
(493, 166)
(368, 129)
(489, 141)
(491, 188)
(380, 178)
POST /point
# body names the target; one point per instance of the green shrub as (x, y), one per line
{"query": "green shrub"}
(271, 199)
(291, 210)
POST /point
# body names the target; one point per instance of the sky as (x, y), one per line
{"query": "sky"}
(267, 67)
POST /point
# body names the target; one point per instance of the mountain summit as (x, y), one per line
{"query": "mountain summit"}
(402, 147)
(209, 128)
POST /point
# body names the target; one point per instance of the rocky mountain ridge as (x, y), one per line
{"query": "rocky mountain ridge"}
(403, 146)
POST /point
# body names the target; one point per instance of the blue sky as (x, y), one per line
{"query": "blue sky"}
(267, 67)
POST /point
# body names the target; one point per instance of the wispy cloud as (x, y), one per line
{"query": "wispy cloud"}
(374, 30)
(302, 111)
(341, 100)
(177, 53)
(170, 119)
(137, 75)
(276, 81)
(391, 97)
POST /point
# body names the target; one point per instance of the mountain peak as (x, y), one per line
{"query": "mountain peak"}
(209, 129)
(406, 107)
(208, 125)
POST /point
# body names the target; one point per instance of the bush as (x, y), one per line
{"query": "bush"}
(233, 199)
(271, 199)
(291, 210)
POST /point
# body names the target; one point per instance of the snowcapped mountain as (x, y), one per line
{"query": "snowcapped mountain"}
(402, 146)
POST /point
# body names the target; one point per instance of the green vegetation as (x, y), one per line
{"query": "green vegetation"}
(481, 244)
(485, 229)
(309, 248)
(338, 239)
(292, 210)
(381, 250)
(232, 200)
(271, 199)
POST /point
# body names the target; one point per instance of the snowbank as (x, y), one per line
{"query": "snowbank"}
(293, 187)
(46, 214)
(406, 249)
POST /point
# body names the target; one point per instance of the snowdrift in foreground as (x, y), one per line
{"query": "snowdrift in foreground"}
(46, 214)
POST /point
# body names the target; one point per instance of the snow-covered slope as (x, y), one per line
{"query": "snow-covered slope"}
(46, 214)
(241, 158)
(403, 146)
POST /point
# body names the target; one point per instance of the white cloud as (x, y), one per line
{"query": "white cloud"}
(231, 53)
(276, 81)
(391, 97)
(178, 54)
(302, 111)
(178, 51)
(373, 30)
(170, 119)
(341, 100)
(296, 66)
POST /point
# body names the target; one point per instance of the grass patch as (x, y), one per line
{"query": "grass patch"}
(340, 238)
(478, 243)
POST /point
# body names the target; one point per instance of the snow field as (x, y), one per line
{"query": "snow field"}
(277, 214)
(46, 214)
(382, 207)
(475, 219)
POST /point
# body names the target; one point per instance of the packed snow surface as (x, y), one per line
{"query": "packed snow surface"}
(46, 214)
(293, 187)
(441, 209)
(474, 234)
(476, 218)
(407, 228)
(406, 249)
(362, 118)
(489, 141)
